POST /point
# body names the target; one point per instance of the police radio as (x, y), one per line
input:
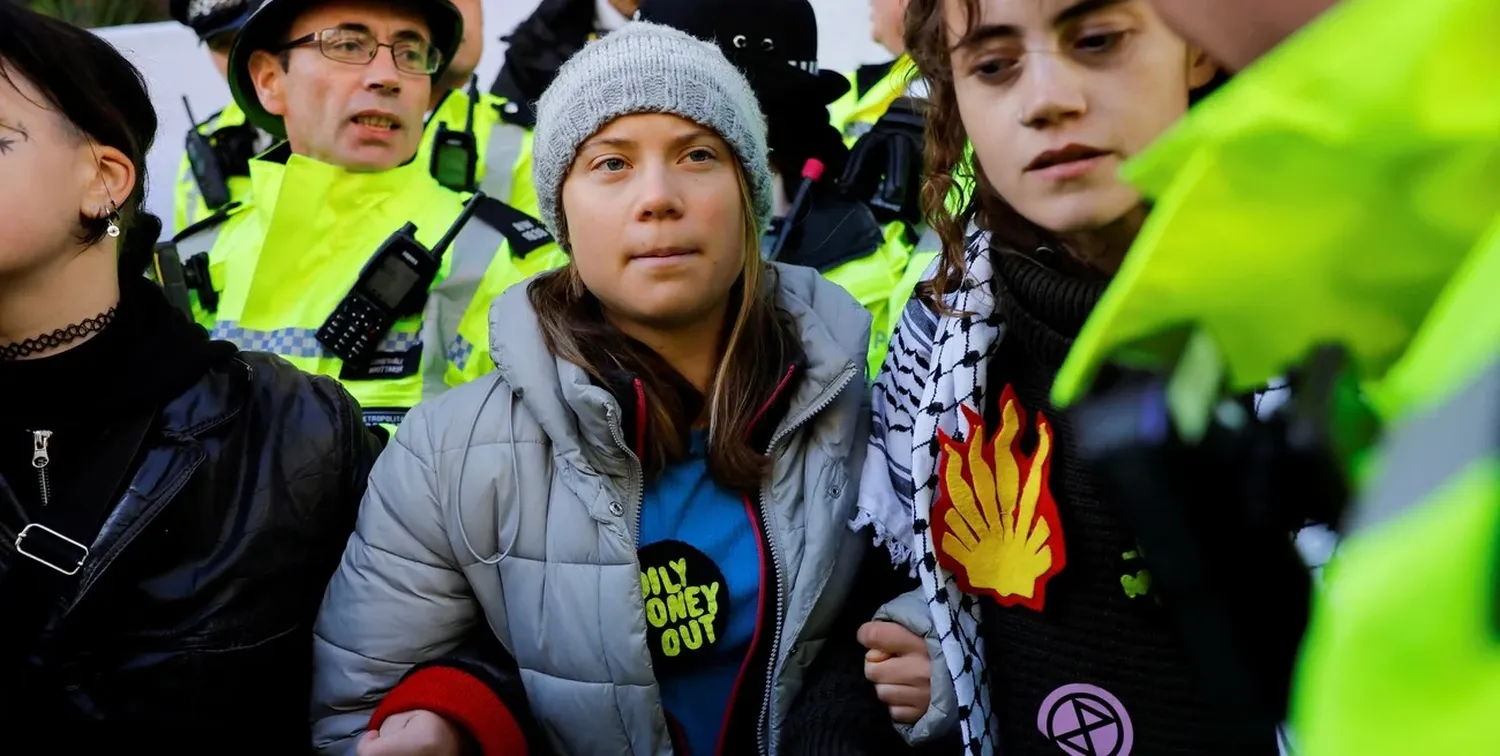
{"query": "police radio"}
(207, 172)
(166, 270)
(392, 285)
(179, 279)
(455, 154)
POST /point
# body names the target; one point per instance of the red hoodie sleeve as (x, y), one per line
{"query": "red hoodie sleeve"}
(462, 699)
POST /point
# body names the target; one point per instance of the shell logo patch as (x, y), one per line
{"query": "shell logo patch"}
(995, 523)
(687, 603)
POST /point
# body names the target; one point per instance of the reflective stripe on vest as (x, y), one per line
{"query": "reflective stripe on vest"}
(930, 241)
(199, 243)
(1423, 453)
(916, 89)
(501, 154)
(468, 351)
(856, 128)
(299, 342)
(189, 202)
(473, 250)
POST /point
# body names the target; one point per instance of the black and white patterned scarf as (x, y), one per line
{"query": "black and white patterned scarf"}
(933, 365)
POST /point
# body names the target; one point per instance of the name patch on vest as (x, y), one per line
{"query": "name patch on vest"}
(524, 233)
(376, 416)
(384, 366)
(687, 603)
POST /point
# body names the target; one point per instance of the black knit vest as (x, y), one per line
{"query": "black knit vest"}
(1097, 671)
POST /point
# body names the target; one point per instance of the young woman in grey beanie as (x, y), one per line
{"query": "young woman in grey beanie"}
(631, 537)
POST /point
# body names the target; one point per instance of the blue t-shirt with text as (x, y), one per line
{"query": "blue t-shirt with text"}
(700, 554)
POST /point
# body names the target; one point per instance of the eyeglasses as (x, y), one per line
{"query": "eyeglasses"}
(358, 47)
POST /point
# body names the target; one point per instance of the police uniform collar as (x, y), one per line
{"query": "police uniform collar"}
(867, 76)
(336, 189)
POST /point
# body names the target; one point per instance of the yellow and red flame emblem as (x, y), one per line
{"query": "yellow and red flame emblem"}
(994, 522)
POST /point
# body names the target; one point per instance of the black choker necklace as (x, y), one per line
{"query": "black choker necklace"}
(61, 336)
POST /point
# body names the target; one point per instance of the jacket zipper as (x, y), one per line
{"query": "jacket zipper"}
(825, 399)
(638, 474)
(40, 458)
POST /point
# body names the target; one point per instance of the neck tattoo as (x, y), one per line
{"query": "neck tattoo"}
(60, 337)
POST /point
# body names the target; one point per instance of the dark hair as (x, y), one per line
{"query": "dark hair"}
(102, 96)
(759, 342)
(954, 187)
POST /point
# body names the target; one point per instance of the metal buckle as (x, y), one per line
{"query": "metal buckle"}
(66, 542)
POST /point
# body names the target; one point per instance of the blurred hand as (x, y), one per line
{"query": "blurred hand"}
(412, 733)
(898, 665)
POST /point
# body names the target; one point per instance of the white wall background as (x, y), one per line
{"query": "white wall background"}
(174, 65)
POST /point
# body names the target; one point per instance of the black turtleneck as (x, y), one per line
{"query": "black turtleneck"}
(1045, 299)
(1091, 631)
(146, 356)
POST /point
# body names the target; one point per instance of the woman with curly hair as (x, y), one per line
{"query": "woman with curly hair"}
(1042, 634)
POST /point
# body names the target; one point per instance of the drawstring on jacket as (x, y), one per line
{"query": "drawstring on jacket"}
(515, 471)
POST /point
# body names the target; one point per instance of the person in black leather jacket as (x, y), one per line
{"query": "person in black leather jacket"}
(170, 508)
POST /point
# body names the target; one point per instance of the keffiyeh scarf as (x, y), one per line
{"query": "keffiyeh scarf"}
(933, 365)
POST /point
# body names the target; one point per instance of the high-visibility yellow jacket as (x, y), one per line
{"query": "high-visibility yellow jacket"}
(283, 262)
(1344, 190)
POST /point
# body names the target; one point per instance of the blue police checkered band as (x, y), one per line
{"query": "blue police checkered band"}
(301, 342)
(459, 352)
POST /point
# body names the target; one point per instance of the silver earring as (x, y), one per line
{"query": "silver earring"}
(113, 229)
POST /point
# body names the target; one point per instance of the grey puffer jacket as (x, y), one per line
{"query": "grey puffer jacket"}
(530, 466)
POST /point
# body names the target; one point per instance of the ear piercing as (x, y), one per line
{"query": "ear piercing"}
(113, 229)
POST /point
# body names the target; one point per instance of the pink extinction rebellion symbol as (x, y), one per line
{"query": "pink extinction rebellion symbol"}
(1086, 720)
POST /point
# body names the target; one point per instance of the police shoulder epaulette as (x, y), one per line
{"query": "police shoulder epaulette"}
(867, 76)
(513, 112)
(525, 233)
(203, 127)
(223, 214)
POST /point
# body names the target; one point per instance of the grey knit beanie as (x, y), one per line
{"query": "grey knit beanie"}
(646, 68)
